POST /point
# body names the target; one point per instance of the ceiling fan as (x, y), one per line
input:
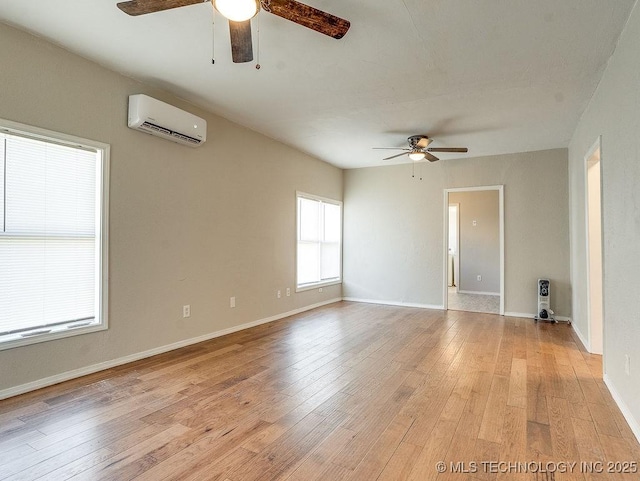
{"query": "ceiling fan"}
(419, 149)
(240, 12)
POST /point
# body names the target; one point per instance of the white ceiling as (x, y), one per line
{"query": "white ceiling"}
(497, 76)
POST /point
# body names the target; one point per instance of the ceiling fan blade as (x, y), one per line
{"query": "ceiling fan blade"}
(424, 142)
(431, 157)
(394, 156)
(389, 148)
(241, 46)
(448, 149)
(309, 17)
(141, 7)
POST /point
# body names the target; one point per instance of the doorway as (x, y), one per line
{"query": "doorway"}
(474, 249)
(593, 217)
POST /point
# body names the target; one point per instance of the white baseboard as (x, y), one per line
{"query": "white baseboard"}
(479, 293)
(531, 316)
(520, 314)
(83, 371)
(583, 340)
(626, 412)
(394, 303)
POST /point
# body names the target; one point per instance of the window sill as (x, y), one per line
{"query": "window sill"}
(15, 340)
(310, 287)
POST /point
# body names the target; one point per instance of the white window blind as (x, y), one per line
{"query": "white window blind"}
(50, 234)
(319, 241)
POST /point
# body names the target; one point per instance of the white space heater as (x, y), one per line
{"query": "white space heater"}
(544, 302)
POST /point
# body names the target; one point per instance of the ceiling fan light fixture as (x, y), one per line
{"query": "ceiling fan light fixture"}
(416, 155)
(237, 10)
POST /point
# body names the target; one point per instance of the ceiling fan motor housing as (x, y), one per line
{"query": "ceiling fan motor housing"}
(415, 139)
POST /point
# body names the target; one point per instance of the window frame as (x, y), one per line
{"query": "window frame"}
(102, 211)
(328, 282)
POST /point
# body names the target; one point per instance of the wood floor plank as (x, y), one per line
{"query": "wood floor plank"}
(432, 452)
(371, 429)
(378, 456)
(619, 453)
(261, 439)
(462, 448)
(604, 422)
(517, 396)
(110, 468)
(129, 445)
(536, 396)
(552, 376)
(69, 449)
(493, 419)
(12, 442)
(207, 451)
(580, 411)
(591, 391)
(401, 462)
(589, 448)
(222, 469)
(349, 391)
(487, 451)
(514, 445)
(70, 469)
(562, 435)
(18, 452)
(538, 441)
(321, 457)
(285, 455)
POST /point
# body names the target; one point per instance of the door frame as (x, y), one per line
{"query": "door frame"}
(596, 147)
(500, 189)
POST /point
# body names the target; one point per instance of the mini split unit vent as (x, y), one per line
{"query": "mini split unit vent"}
(163, 120)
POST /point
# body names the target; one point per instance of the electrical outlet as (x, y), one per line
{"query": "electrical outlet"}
(627, 364)
(288, 291)
(479, 277)
(186, 311)
(320, 290)
(279, 294)
(232, 302)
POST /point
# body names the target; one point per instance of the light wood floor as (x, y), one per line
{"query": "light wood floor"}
(345, 392)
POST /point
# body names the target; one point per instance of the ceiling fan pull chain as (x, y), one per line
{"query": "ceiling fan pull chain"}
(413, 170)
(420, 170)
(213, 36)
(258, 41)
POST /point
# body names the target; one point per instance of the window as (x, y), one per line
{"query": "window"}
(319, 242)
(53, 219)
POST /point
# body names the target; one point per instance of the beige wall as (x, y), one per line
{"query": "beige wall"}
(393, 234)
(614, 114)
(188, 226)
(479, 249)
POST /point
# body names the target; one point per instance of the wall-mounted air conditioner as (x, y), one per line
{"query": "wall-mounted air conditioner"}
(154, 117)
